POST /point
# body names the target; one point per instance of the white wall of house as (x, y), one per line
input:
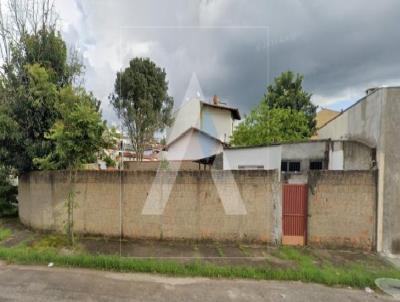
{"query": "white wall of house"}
(301, 151)
(217, 122)
(269, 158)
(336, 160)
(193, 145)
(184, 118)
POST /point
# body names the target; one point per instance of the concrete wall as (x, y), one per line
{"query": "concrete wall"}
(195, 208)
(341, 209)
(201, 205)
(267, 157)
(357, 156)
(155, 165)
(390, 187)
(304, 152)
(350, 155)
(361, 122)
(374, 121)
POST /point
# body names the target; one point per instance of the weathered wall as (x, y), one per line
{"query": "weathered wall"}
(357, 156)
(155, 165)
(304, 152)
(341, 205)
(361, 122)
(391, 172)
(341, 209)
(374, 121)
(350, 155)
(195, 207)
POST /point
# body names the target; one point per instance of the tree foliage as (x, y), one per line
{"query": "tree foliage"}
(36, 79)
(78, 135)
(8, 193)
(287, 92)
(285, 114)
(141, 100)
(265, 125)
(35, 68)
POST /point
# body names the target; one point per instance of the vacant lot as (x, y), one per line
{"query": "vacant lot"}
(192, 258)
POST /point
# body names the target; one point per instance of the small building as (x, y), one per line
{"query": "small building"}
(200, 130)
(301, 157)
(215, 118)
(193, 144)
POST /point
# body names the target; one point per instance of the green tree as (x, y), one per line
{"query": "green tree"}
(141, 100)
(265, 125)
(35, 67)
(285, 114)
(78, 136)
(8, 193)
(9, 146)
(287, 92)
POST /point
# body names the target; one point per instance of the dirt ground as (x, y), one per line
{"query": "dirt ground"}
(223, 253)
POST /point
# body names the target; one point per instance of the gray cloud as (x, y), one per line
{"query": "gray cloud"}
(341, 47)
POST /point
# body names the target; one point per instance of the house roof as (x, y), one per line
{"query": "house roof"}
(192, 129)
(277, 144)
(235, 111)
(324, 116)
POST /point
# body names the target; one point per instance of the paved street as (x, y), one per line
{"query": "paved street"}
(33, 283)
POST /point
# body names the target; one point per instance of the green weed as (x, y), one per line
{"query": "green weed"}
(4, 233)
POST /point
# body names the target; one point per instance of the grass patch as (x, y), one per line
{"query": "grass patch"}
(329, 275)
(52, 241)
(4, 233)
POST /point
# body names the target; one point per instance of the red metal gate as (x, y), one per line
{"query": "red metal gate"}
(294, 214)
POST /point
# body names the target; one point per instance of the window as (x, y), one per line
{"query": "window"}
(290, 166)
(316, 165)
(294, 166)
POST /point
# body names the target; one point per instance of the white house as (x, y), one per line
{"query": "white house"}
(200, 129)
(193, 144)
(301, 156)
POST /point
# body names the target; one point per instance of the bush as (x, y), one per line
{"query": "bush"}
(8, 194)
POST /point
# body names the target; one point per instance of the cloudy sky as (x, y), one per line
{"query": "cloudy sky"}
(234, 48)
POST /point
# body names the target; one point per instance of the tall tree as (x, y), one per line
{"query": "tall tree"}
(141, 100)
(78, 135)
(285, 114)
(35, 68)
(287, 92)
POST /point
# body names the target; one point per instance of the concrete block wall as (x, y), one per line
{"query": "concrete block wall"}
(155, 165)
(341, 209)
(193, 210)
(341, 205)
